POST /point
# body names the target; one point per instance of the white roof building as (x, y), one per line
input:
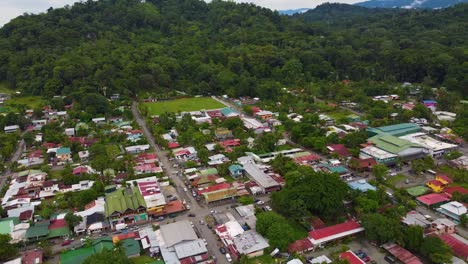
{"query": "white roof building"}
(378, 154)
(435, 147)
(453, 210)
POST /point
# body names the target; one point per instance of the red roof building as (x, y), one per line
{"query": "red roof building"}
(173, 145)
(25, 216)
(307, 159)
(321, 236)
(351, 257)
(435, 183)
(443, 179)
(363, 164)
(301, 245)
(402, 254)
(458, 245)
(32, 257)
(449, 191)
(339, 149)
(58, 223)
(433, 199)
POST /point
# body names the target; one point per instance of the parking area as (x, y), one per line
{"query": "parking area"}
(375, 254)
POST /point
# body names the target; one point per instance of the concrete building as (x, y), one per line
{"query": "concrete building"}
(436, 148)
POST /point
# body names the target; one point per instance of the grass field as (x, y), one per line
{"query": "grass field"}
(143, 260)
(4, 88)
(183, 105)
(31, 101)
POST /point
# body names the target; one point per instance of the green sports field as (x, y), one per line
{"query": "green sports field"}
(183, 105)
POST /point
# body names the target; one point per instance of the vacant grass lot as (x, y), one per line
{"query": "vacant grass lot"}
(183, 105)
(30, 101)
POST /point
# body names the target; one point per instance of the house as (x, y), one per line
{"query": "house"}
(444, 179)
(432, 200)
(320, 237)
(441, 226)
(351, 257)
(264, 181)
(83, 155)
(239, 241)
(403, 255)
(99, 120)
(339, 149)
(236, 170)
(460, 163)
(150, 189)
(11, 129)
(222, 133)
(301, 246)
(217, 192)
(137, 149)
(458, 244)
(217, 159)
(125, 205)
(257, 126)
(454, 210)
(362, 164)
(264, 115)
(178, 243)
(431, 104)
(32, 257)
(63, 154)
(70, 132)
(361, 185)
(185, 154)
(449, 191)
(435, 185)
(229, 112)
(415, 218)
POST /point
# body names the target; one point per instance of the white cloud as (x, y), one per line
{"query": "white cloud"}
(10, 9)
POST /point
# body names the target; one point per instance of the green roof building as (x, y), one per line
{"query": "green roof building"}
(395, 130)
(131, 247)
(210, 171)
(38, 231)
(7, 224)
(125, 205)
(403, 148)
(417, 191)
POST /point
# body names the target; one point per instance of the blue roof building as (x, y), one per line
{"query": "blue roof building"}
(361, 185)
(236, 170)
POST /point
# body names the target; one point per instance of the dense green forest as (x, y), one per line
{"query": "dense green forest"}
(127, 46)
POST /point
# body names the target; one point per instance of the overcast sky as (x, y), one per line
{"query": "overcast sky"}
(12, 8)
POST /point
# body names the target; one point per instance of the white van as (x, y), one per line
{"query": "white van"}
(228, 257)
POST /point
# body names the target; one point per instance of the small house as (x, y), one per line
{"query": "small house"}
(236, 170)
(63, 154)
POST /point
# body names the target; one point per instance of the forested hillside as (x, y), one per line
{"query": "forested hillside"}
(223, 47)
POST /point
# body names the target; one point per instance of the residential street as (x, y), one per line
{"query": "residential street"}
(200, 210)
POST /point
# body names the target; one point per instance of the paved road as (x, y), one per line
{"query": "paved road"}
(13, 159)
(195, 207)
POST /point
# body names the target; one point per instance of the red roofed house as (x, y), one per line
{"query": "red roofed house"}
(458, 244)
(25, 216)
(351, 257)
(449, 191)
(339, 149)
(32, 257)
(433, 199)
(362, 164)
(321, 236)
(300, 246)
(402, 254)
(173, 145)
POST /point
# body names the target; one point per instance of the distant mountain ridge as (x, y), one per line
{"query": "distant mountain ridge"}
(410, 4)
(293, 11)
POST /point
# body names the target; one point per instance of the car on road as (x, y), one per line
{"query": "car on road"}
(191, 215)
(160, 218)
(185, 189)
(260, 202)
(66, 243)
(222, 250)
(228, 257)
(390, 259)
(267, 208)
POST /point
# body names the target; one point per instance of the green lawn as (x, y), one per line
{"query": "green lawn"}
(144, 260)
(30, 101)
(265, 259)
(395, 179)
(4, 88)
(183, 105)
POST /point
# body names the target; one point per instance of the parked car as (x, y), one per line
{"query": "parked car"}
(191, 215)
(222, 250)
(160, 218)
(260, 202)
(66, 243)
(228, 257)
(390, 259)
(267, 208)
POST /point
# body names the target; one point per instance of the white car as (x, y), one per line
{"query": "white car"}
(228, 257)
(260, 202)
(268, 208)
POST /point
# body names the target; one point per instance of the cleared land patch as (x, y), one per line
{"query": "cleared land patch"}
(183, 105)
